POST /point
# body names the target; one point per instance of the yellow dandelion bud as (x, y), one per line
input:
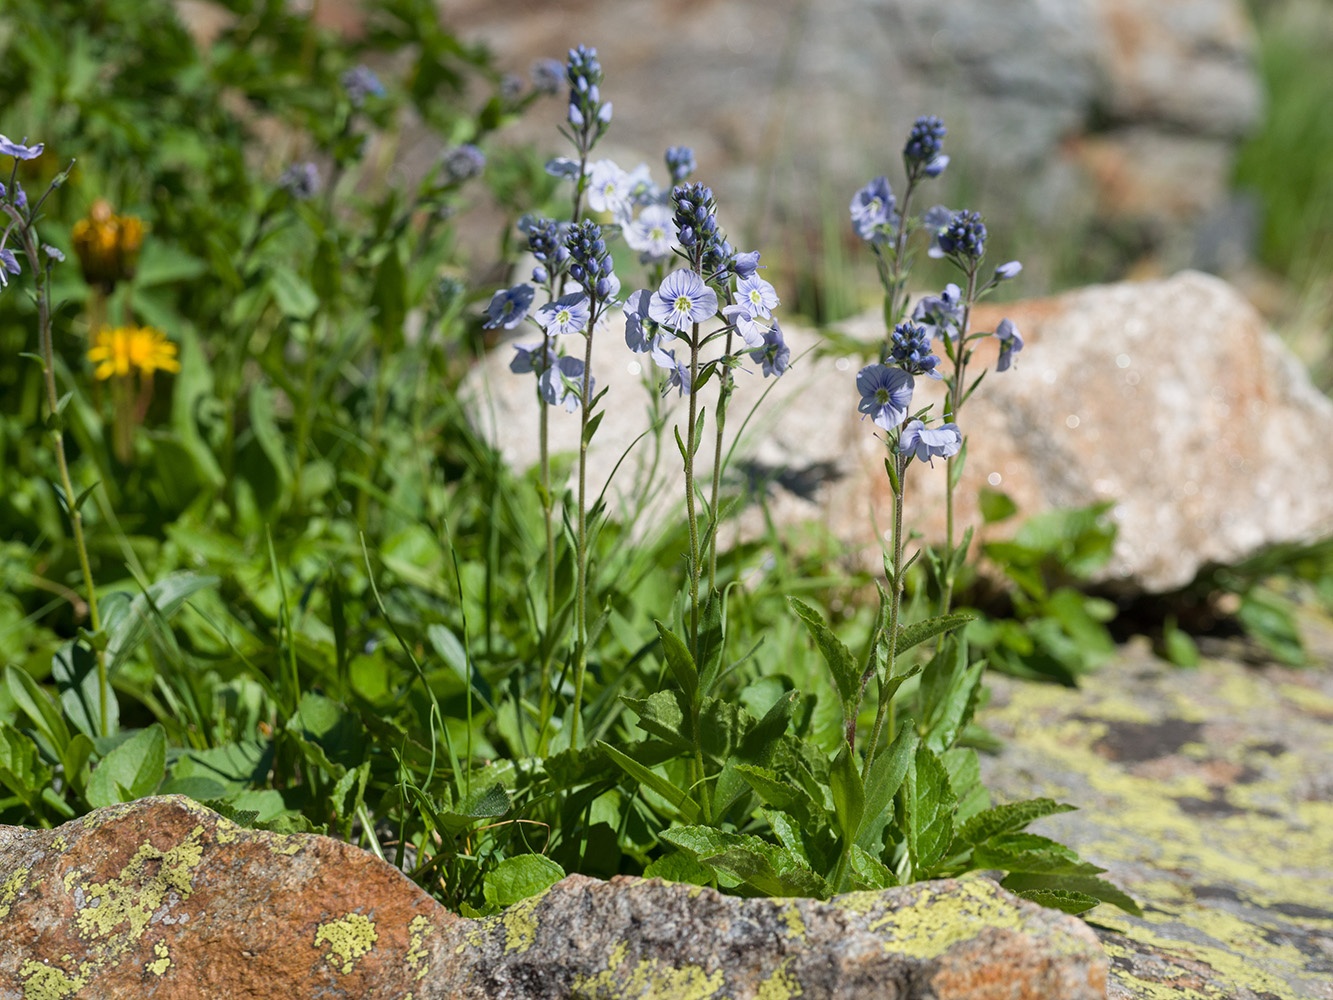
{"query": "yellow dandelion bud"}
(107, 245)
(130, 348)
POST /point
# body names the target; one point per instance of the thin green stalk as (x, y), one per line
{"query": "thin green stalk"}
(895, 602)
(724, 393)
(691, 515)
(41, 280)
(580, 593)
(958, 353)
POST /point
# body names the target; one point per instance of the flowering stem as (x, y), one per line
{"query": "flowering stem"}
(724, 393)
(690, 444)
(581, 587)
(898, 281)
(958, 353)
(543, 434)
(41, 279)
(895, 602)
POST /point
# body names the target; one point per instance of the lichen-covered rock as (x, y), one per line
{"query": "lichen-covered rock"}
(164, 899)
(1208, 795)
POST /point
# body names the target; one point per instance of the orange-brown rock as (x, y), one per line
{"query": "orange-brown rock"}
(164, 899)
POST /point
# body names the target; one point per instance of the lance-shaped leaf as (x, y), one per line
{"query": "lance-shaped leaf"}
(930, 804)
(765, 867)
(842, 665)
(679, 660)
(685, 805)
(919, 632)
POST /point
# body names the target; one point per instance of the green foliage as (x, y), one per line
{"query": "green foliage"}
(321, 593)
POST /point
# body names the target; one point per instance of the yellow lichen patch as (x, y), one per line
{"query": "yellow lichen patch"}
(1312, 701)
(859, 903)
(650, 980)
(791, 916)
(935, 922)
(226, 831)
(47, 982)
(285, 843)
(162, 963)
(59, 843)
(779, 986)
(11, 889)
(416, 945)
(132, 897)
(520, 925)
(348, 939)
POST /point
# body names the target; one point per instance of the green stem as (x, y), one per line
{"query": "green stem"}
(41, 279)
(724, 393)
(958, 353)
(895, 602)
(691, 515)
(580, 593)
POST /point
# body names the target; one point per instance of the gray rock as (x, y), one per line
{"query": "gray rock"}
(1207, 795)
(163, 898)
(1169, 399)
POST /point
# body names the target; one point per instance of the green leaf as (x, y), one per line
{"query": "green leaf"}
(74, 669)
(886, 775)
(780, 794)
(130, 771)
(929, 804)
(995, 505)
(712, 639)
(1007, 819)
(389, 297)
(842, 665)
(127, 627)
(679, 660)
(1028, 852)
(1090, 885)
(516, 879)
(919, 632)
(38, 707)
(849, 800)
(765, 867)
(868, 872)
(1060, 899)
(680, 866)
(1177, 644)
(687, 807)
(665, 715)
(22, 770)
(293, 296)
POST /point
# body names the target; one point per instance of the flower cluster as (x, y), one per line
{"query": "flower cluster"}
(875, 212)
(922, 153)
(695, 218)
(588, 114)
(463, 162)
(965, 236)
(911, 352)
(590, 261)
(680, 163)
(359, 83)
(300, 180)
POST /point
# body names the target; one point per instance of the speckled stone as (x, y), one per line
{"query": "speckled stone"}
(164, 899)
(1208, 796)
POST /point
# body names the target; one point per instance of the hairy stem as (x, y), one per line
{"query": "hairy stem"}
(895, 602)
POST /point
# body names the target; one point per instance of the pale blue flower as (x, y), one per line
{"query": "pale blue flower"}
(738, 316)
(640, 330)
(745, 264)
(562, 383)
(567, 314)
(886, 394)
(774, 355)
(874, 212)
(935, 221)
(463, 162)
(547, 76)
(8, 264)
(652, 234)
(18, 150)
(758, 296)
(361, 82)
(1006, 271)
(608, 188)
(529, 358)
(508, 306)
(1011, 342)
(680, 371)
(682, 300)
(926, 443)
(563, 166)
(941, 315)
(680, 162)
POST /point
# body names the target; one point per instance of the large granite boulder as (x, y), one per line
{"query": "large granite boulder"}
(1169, 399)
(165, 899)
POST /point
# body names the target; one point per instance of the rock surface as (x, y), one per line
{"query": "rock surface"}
(1169, 399)
(165, 899)
(1208, 795)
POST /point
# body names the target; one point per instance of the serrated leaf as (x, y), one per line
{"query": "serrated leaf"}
(712, 639)
(1007, 819)
(842, 665)
(919, 632)
(1060, 899)
(516, 879)
(765, 867)
(665, 715)
(686, 806)
(1089, 885)
(868, 872)
(679, 660)
(680, 866)
(1028, 852)
(22, 770)
(929, 804)
(779, 793)
(849, 799)
(886, 775)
